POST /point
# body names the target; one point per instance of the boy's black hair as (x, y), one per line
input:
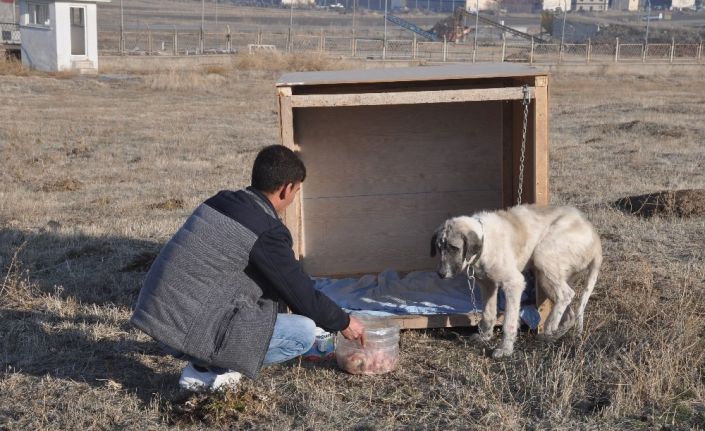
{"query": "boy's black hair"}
(275, 166)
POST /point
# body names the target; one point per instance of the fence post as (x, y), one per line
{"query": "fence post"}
(322, 44)
(259, 36)
(176, 42)
(228, 40)
(122, 41)
(616, 50)
(588, 51)
(531, 56)
(700, 51)
(200, 41)
(673, 48)
(504, 46)
(644, 52)
(352, 47)
(149, 39)
(445, 48)
(414, 48)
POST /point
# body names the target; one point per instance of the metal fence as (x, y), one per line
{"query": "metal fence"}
(9, 33)
(164, 41)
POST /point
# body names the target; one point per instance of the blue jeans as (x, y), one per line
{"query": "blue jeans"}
(293, 336)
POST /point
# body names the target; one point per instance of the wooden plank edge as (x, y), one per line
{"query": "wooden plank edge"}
(407, 97)
(423, 321)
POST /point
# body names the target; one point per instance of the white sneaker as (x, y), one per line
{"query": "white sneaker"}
(227, 380)
(200, 381)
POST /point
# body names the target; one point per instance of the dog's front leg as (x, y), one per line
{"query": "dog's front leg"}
(512, 293)
(489, 312)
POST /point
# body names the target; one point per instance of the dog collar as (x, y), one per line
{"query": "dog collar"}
(471, 263)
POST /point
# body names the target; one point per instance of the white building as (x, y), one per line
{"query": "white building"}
(557, 4)
(301, 2)
(59, 35)
(590, 5)
(629, 5)
(484, 4)
(683, 4)
(7, 11)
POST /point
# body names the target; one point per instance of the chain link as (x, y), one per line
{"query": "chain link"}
(470, 272)
(526, 101)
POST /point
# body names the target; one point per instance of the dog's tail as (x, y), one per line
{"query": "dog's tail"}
(593, 270)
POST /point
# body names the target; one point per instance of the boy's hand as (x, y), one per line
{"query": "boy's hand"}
(354, 331)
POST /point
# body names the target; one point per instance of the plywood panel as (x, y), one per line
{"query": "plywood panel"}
(363, 151)
(411, 321)
(408, 74)
(368, 234)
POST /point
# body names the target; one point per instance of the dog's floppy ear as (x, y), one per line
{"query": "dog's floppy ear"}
(434, 240)
(472, 245)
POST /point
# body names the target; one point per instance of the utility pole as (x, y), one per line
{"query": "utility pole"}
(203, 16)
(565, 10)
(122, 29)
(648, 19)
(353, 23)
(477, 18)
(384, 48)
(291, 24)
(216, 13)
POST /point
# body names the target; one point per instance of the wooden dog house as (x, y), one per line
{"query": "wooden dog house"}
(391, 153)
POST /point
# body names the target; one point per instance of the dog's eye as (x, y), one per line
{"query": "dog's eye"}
(453, 248)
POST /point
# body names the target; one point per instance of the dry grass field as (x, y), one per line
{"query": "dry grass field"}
(139, 13)
(96, 173)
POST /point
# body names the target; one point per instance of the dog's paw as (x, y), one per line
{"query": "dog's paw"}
(502, 352)
(553, 336)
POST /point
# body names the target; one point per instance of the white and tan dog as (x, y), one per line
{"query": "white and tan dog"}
(557, 242)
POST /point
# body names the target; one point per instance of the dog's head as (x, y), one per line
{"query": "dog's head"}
(458, 241)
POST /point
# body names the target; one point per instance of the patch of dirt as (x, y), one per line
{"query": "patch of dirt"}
(219, 409)
(678, 203)
(140, 262)
(65, 185)
(168, 205)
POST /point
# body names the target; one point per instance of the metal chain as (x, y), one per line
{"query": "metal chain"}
(470, 272)
(526, 101)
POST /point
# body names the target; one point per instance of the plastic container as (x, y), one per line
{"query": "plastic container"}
(380, 354)
(323, 347)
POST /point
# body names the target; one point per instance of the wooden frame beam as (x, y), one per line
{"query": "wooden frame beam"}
(407, 97)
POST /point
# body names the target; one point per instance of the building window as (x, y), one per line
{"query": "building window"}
(77, 17)
(39, 14)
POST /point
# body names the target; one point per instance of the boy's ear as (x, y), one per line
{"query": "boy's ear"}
(285, 190)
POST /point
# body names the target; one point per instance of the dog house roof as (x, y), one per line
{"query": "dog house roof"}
(408, 74)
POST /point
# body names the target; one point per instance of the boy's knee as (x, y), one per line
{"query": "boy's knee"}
(308, 333)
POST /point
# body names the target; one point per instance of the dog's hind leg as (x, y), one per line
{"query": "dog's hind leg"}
(561, 294)
(512, 293)
(594, 269)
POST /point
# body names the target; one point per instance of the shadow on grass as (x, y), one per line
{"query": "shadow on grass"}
(40, 343)
(93, 270)
(46, 327)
